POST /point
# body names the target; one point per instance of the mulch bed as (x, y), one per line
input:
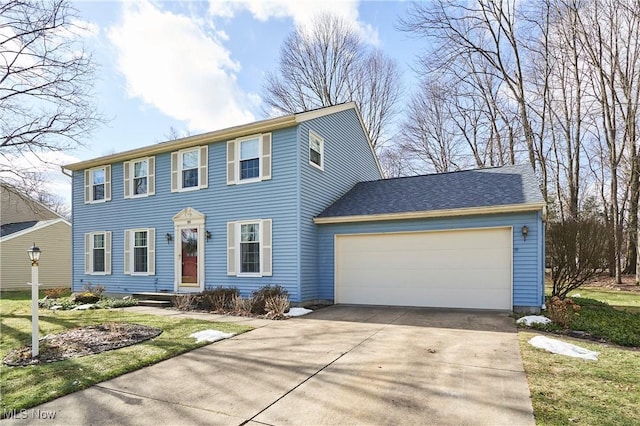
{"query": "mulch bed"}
(82, 341)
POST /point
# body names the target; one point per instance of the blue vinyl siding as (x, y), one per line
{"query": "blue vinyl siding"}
(274, 199)
(528, 260)
(348, 159)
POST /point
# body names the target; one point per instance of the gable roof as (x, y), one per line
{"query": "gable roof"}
(501, 189)
(13, 230)
(15, 206)
(230, 133)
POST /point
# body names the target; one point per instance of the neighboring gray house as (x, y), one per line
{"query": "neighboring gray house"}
(300, 201)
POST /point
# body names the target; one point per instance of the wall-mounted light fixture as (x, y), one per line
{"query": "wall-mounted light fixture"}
(207, 234)
(168, 237)
(525, 232)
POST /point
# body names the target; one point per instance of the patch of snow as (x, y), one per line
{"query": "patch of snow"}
(576, 295)
(55, 308)
(563, 348)
(533, 319)
(298, 312)
(210, 335)
(84, 307)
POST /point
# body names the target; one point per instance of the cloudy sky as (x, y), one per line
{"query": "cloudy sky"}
(200, 66)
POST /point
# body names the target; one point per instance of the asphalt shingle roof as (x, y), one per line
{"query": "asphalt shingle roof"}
(508, 185)
(12, 228)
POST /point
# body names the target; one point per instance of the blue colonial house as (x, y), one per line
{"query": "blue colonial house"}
(300, 201)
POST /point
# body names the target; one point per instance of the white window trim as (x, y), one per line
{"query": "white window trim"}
(239, 251)
(264, 159)
(89, 253)
(129, 183)
(203, 170)
(89, 185)
(239, 161)
(233, 247)
(129, 251)
(313, 135)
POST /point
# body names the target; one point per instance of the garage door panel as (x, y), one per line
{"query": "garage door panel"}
(464, 269)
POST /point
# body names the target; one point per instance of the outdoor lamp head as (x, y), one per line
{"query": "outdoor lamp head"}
(34, 254)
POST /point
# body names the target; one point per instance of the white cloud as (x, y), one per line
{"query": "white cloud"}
(47, 166)
(179, 65)
(301, 11)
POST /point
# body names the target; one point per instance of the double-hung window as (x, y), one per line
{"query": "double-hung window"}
(249, 248)
(97, 251)
(249, 159)
(97, 184)
(139, 251)
(189, 169)
(139, 177)
(316, 150)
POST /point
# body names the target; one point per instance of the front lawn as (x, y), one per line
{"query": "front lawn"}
(620, 299)
(24, 387)
(567, 390)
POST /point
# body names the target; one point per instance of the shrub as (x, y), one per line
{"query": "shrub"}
(55, 293)
(562, 311)
(94, 289)
(65, 303)
(577, 252)
(112, 302)
(219, 299)
(186, 302)
(276, 306)
(261, 295)
(242, 306)
(84, 297)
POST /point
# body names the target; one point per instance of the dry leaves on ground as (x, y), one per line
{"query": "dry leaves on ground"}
(83, 341)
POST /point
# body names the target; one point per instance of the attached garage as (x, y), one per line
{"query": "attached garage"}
(468, 268)
(471, 239)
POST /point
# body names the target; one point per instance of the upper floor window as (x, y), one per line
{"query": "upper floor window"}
(189, 169)
(249, 159)
(97, 184)
(97, 253)
(316, 150)
(139, 251)
(139, 177)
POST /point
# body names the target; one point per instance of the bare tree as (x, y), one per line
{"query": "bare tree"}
(486, 31)
(330, 64)
(45, 82)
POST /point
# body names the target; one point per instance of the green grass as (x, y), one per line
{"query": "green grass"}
(616, 298)
(567, 390)
(602, 321)
(24, 387)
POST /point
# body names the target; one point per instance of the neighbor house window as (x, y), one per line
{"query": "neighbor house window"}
(97, 253)
(249, 159)
(139, 251)
(316, 150)
(189, 169)
(249, 248)
(139, 177)
(97, 184)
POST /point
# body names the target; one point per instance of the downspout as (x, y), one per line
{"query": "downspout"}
(298, 213)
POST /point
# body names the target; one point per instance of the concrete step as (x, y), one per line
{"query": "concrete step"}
(154, 303)
(154, 296)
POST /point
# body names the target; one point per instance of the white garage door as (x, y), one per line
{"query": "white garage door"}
(453, 269)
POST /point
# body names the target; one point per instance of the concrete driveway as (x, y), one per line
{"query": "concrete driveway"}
(340, 365)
